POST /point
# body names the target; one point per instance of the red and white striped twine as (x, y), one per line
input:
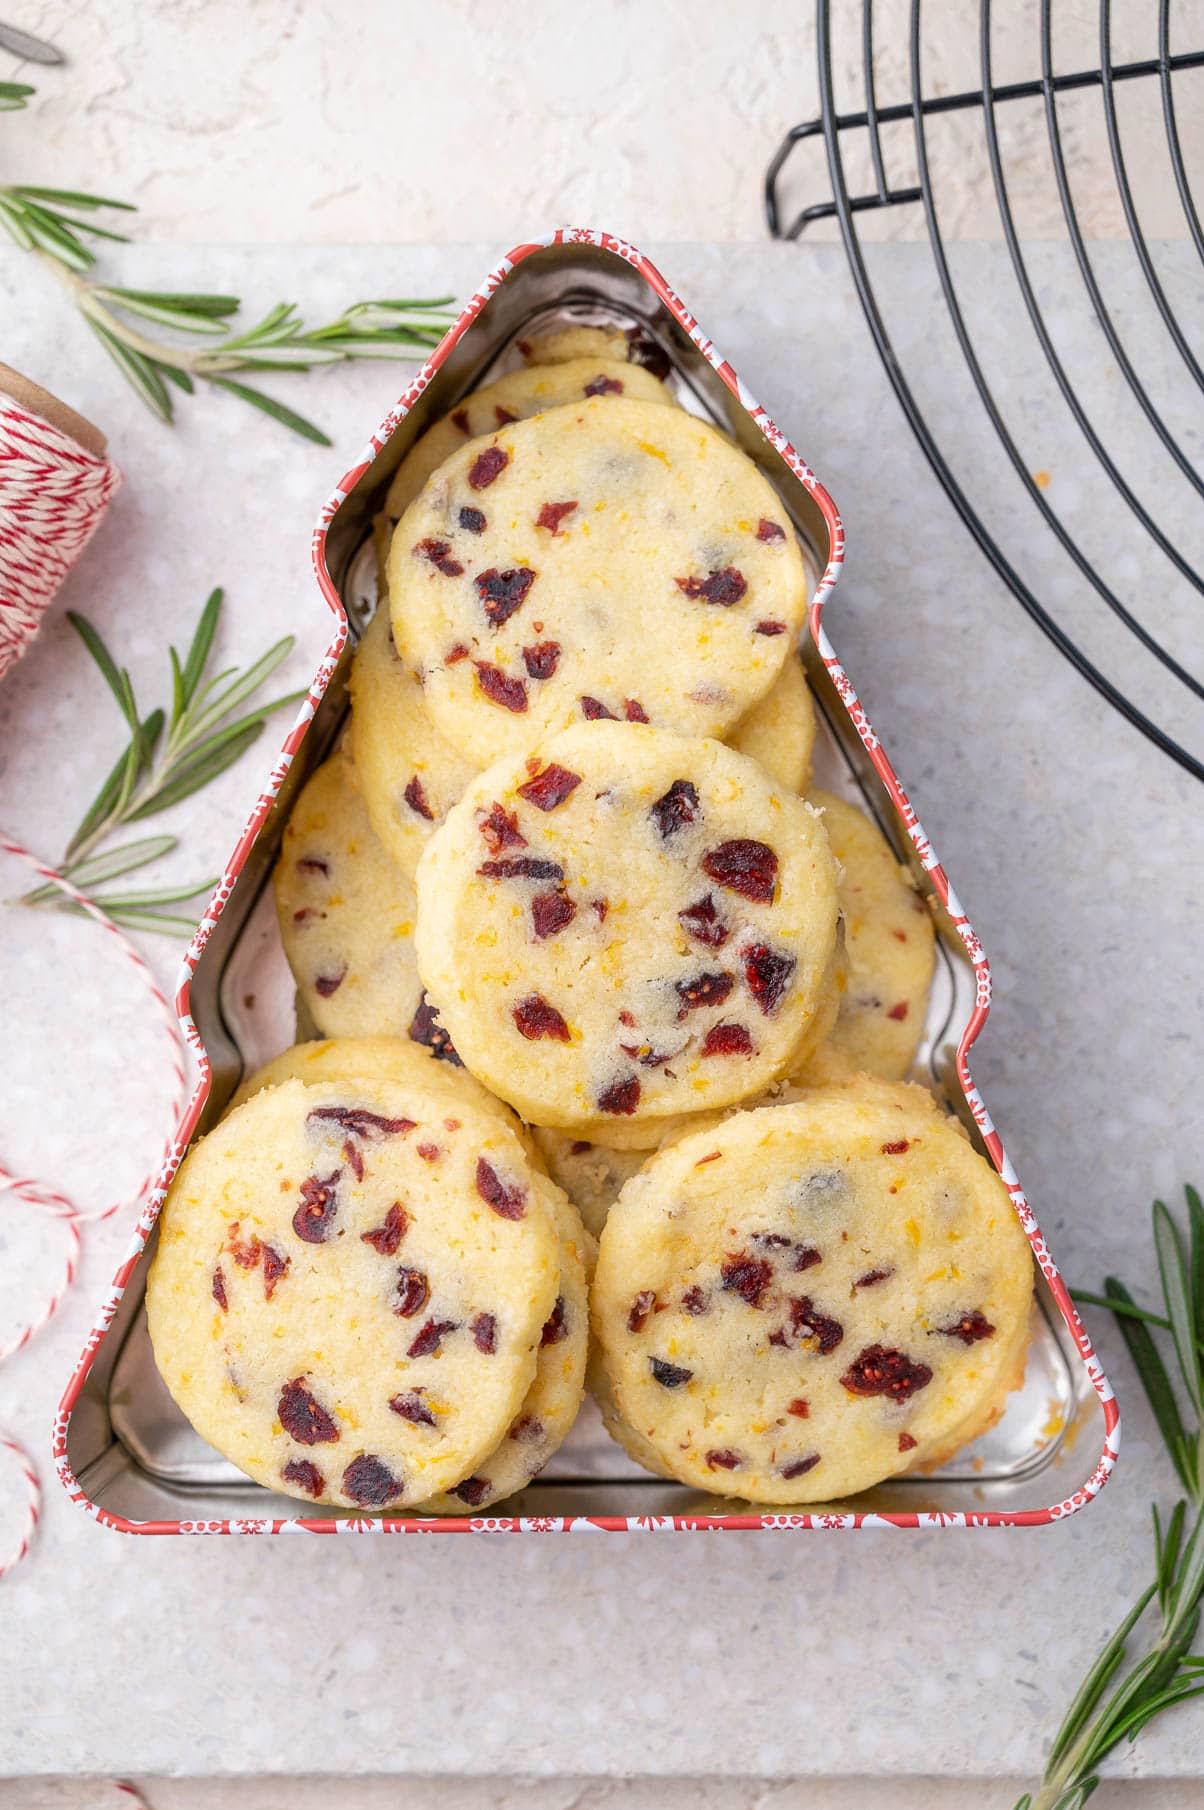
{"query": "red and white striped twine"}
(53, 497)
(33, 1503)
(51, 1200)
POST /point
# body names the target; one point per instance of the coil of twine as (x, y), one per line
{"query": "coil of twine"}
(55, 487)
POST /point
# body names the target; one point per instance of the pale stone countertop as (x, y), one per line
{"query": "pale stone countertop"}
(1077, 850)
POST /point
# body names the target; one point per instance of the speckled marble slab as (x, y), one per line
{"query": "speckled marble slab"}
(1077, 850)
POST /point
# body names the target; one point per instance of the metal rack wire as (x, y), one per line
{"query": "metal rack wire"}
(833, 127)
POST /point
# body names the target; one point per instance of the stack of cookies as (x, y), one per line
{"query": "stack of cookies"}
(586, 947)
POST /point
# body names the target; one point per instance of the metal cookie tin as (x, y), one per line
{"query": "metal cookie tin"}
(124, 1451)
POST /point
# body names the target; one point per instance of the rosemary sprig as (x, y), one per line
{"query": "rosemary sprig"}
(1105, 1712)
(170, 754)
(58, 225)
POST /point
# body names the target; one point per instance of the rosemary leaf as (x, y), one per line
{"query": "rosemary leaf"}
(13, 96)
(181, 379)
(105, 800)
(71, 197)
(141, 901)
(1195, 1242)
(193, 774)
(154, 309)
(1154, 1380)
(95, 869)
(1097, 1680)
(202, 642)
(241, 688)
(1176, 1286)
(94, 643)
(276, 410)
(136, 369)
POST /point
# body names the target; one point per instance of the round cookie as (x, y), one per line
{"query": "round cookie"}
(890, 942)
(592, 1175)
(612, 559)
(550, 1406)
(809, 1298)
(350, 1288)
(513, 398)
(346, 913)
(625, 926)
(635, 345)
(779, 732)
(408, 775)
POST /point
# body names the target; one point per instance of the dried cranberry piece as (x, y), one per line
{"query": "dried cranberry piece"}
(430, 1153)
(669, 1376)
(799, 1407)
(703, 990)
(593, 709)
(500, 688)
(807, 1258)
(417, 800)
(556, 1326)
(604, 386)
(428, 1338)
(502, 593)
(542, 659)
(410, 1405)
(535, 1017)
(473, 1490)
(743, 866)
(326, 984)
(484, 1333)
(473, 520)
(426, 1029)
(504, 416)
(507, 1201)
(647, 1055)
(313, 1220)
(219, 1290)
(387, 1237)
(676, 807)
(899, 1012)
(521, 867)
(552, 514)
(770, 531)
(487, 466)
(460, 417)
(303, 1417)
(879, 1371)
(353, 1159)
(358, 1122)
(310, 864)
(550, 912)
(369, 1481)
(439, 554)
(528, 1429)
(703, 923)
(275, 1263)
(550, 788)
(696, 1300)
(500, 830)
(768, 626)
(306, 1475)
(724, 587)
(413, 1293)
(724, 1459)
(746, 1276)
(907, 1442)
(634, 711)
(798, 1467)
(767, 974)
(897, 1149)
(455, 654)
(808, 1326)
(643, 350)
(872, 1278)
(600, 907)
(622, 1097)
(968, 1327)
(727, 1040)
(641, 1307)
(772, 1241)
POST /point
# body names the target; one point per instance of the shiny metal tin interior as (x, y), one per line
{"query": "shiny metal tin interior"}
(133, 1452)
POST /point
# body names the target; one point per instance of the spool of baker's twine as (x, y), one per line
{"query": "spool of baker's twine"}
(60, 1206)
(55, 487)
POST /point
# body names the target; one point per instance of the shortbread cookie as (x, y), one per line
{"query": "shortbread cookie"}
(350, 1289)
(809, 1298)
(891, 952)
(346, 912)
(592, 1175)
(426, 1061)
(624, 925)
(780, 730)
(515, 397)
(612, 559)
(635, 345)
(408, 774)
(550, 1405)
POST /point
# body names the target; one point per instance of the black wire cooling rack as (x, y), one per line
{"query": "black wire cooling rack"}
(838, 131)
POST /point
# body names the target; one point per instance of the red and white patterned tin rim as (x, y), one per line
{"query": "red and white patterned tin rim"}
(621, 248)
